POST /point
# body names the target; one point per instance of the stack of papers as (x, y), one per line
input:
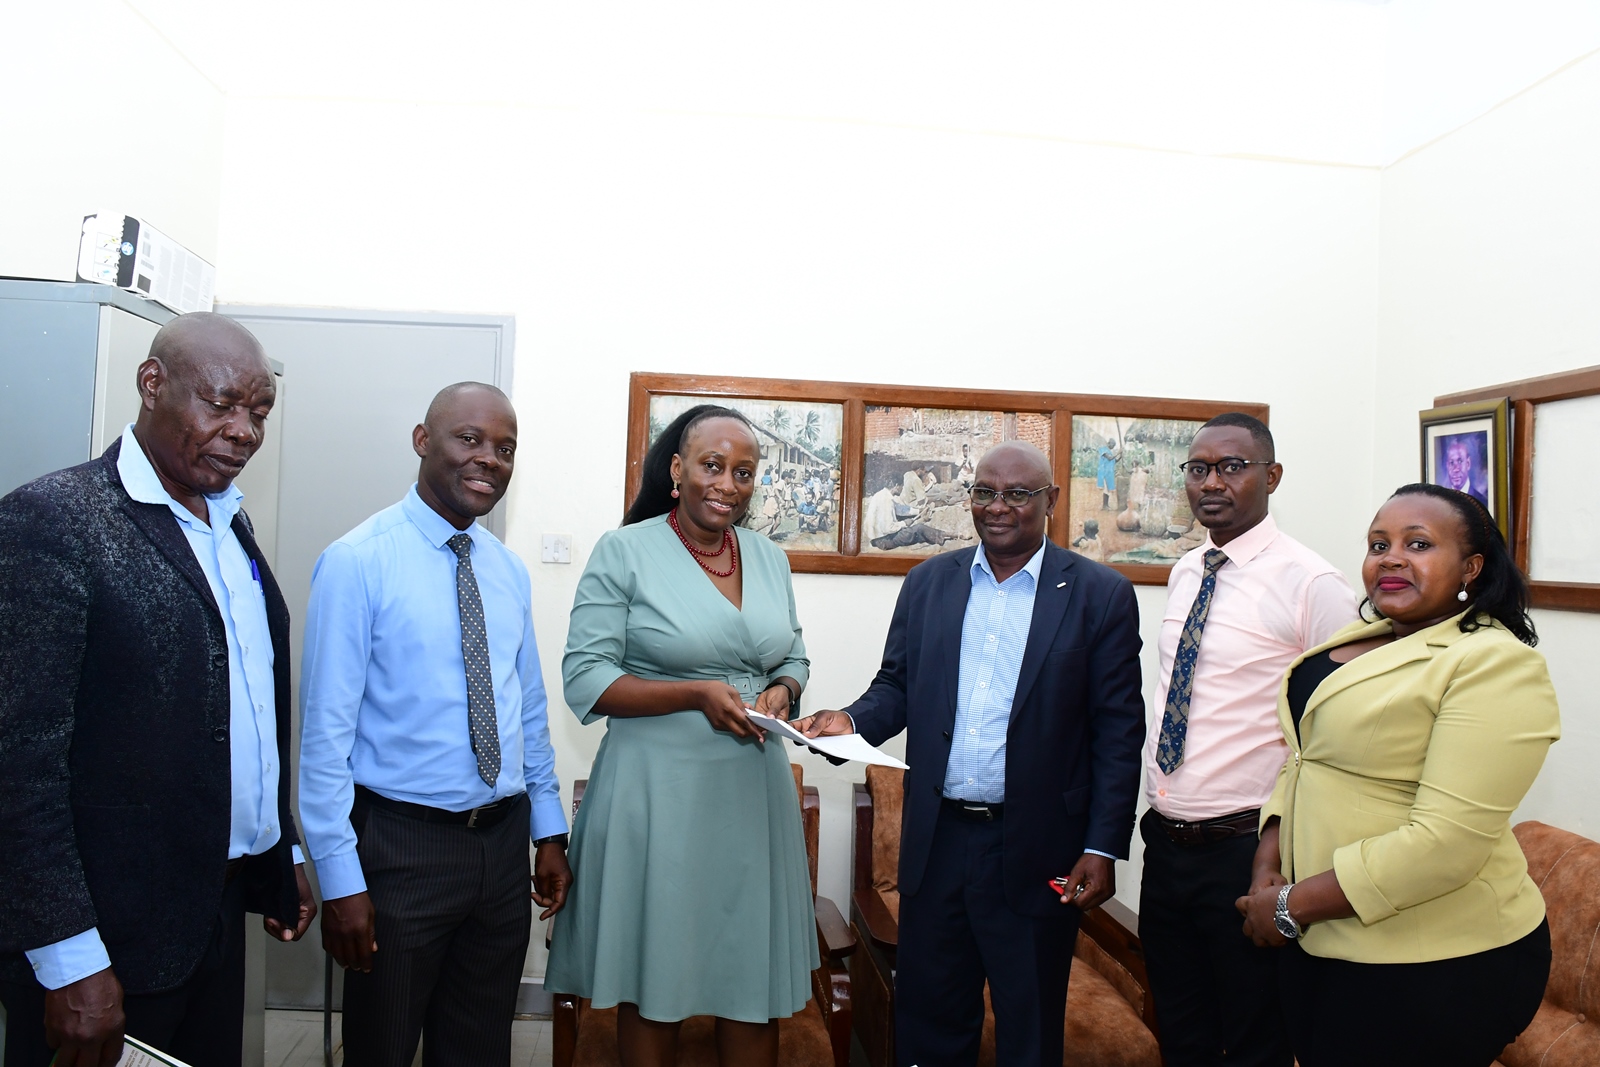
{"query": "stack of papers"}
(839, 746)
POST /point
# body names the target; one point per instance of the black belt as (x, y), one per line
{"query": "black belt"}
(480, 818)
(232, 869)
(972, 810)
(1206, 831)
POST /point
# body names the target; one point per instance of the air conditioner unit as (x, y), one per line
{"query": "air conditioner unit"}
(131, 254)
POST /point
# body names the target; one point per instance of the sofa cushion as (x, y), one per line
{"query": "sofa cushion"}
(1101, 1029)
(1566, 1032)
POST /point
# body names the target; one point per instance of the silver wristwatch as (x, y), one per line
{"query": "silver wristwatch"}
(1281, 917)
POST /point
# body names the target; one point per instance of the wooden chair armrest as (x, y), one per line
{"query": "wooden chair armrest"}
(874, 919)
(566, 1018)
(837, 940)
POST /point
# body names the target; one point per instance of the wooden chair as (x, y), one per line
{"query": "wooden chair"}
(818, 1036)
(1111, 1018)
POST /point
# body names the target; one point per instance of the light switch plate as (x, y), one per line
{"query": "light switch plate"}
(557, 548)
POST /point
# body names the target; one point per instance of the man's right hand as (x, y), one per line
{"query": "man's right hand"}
(826, 724)
(83, 1021)
(349, 931)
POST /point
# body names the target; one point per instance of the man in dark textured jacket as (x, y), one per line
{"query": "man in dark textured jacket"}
(144, 731)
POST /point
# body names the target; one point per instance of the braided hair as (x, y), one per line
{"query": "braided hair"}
(655, 481)
(1500, 592)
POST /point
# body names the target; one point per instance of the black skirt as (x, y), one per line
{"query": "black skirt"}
(1444, 1013)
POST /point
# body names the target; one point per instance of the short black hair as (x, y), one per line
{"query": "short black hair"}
(655, 481)
(1501, 592)
(1257, 428)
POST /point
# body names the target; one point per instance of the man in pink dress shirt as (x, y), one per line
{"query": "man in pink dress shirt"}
(1240, 609)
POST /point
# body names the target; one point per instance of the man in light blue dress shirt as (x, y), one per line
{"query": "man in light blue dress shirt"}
(140, 695)
(1013, 668)
(425, 758)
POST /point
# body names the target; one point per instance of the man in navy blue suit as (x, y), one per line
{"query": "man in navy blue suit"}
(1014, 667)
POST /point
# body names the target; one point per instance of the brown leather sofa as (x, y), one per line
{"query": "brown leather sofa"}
(1566, 1031)
(818, 1036)
(1110, 1016)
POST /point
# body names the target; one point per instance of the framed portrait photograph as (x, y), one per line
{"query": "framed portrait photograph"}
(1464, 447)
(858, 478)
(1541, 457)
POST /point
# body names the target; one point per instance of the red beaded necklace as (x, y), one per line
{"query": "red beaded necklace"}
(729, 544)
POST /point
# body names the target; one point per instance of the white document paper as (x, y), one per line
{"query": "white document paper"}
(839, 746)
(136, 1053)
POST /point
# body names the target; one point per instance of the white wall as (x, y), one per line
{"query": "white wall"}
(1488, 275)
(636, 241)
(101, 114)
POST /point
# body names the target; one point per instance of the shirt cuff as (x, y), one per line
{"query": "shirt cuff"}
(339, 875)
(299, 857)
(69, 960)
(546, 819)
(1097, 852)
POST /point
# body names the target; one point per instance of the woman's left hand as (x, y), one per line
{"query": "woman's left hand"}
(774, 702)
(1258, 908)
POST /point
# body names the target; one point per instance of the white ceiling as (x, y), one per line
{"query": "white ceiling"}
(1337, 81)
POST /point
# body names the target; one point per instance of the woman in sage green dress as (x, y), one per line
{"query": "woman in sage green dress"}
(691, 891)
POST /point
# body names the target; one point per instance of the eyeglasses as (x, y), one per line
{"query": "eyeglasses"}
(983, 496)
(1196, 470)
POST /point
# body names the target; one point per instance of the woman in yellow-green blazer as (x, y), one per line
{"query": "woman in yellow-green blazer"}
(1387, 862)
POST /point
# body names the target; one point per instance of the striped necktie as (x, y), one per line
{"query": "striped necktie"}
(481, 722)
(1175, 720)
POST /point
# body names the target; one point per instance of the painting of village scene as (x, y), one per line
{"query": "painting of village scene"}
(918, 470)
(797, 497)
(1126, 501)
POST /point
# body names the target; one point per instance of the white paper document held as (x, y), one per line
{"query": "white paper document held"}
(839, 746)
(136, 1053)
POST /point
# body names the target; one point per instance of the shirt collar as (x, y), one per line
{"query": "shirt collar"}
(980, 561)
(142, 484)
(1250, 544)
(434, 526)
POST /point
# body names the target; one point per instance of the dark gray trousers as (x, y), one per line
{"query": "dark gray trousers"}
(453, 918)
(957, 931)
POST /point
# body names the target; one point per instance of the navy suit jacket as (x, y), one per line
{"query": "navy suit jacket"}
(1077, 718)
(114, 723)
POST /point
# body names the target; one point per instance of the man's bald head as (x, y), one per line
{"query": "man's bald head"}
(450, 397)
(1017, 457)
(204, 396)
(1012, 533)
(202, 339)
(468, 446)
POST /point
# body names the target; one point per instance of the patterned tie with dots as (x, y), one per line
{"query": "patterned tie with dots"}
(481, 722)
(1175, 720)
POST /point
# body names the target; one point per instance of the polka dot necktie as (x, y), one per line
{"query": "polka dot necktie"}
(1175, 720)
(481, 722)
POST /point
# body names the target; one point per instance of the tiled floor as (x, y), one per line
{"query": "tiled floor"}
(294, 1039)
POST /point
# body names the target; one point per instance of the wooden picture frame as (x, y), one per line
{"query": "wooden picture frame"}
(1526, 397)
(1057, 410)
(1466, 447)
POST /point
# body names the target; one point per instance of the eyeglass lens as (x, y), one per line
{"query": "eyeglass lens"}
(1228, 467)
(982, 496)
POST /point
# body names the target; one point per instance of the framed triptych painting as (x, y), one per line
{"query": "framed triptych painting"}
(873, 479)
